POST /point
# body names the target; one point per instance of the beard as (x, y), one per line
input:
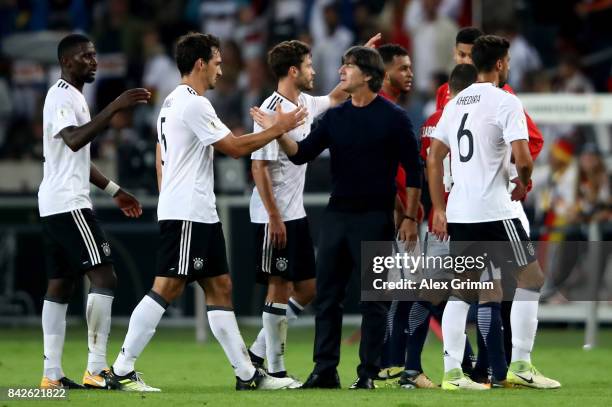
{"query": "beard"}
(305, 84)
(502, 81)
(89, 78)
(398, 85)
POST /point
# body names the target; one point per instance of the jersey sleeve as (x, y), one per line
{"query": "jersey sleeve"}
(536, 140)
(63, 113)
(201, 118)
(319, 104)
(442, 96)
(511, 119)
(269, 152)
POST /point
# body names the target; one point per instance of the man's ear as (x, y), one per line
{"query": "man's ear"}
(293, 71)
(499, 65)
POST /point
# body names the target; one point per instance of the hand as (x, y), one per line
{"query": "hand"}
(262, 118)
(519, 192)
(130, 98)
(372, 41)
(128, 204)
(408, 234)
(289, 121)
(277, 232)
(439, 227)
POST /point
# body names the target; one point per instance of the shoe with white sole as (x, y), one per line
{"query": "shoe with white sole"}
(523, 373)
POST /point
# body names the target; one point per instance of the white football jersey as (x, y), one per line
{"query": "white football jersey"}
(65, 184)
(287, 178)
(478, 126)
(187, 127)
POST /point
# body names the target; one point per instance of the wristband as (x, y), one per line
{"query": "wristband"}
(112, 189)
(410, 218)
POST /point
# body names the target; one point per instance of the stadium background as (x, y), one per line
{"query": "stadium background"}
(557, 52)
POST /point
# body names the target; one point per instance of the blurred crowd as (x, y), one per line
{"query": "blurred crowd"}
(556, 48)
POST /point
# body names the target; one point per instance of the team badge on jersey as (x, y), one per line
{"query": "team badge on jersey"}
(198, 263)
(214, 125)
(106, 249)
(281, 264)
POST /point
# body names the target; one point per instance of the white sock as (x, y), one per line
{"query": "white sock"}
(524, 323)
(98, 316)
(223, 325)
(275, 327)
(258, 348)
(453, 331)
(54, 332)
(143, 322)
(294, 310)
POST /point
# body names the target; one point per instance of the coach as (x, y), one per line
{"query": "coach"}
(368, 137)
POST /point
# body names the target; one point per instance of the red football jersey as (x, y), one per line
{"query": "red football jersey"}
(536, 141)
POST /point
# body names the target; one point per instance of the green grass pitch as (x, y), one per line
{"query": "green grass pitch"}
(198, 374)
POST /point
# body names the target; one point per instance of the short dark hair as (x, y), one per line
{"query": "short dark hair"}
(390, 51)
(487, 50)
(370, 62)
(468, 35)
(462, 76)
(193, 46)
(68, 42)
(285, 55)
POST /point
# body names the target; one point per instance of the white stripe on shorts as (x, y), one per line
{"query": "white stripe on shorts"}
(85, 231)
(266, 256)
(517, 246)
(263, 249)
(184, 248)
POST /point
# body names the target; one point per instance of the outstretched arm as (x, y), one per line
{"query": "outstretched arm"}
(76, 137)
(307, 150)
(236, 147)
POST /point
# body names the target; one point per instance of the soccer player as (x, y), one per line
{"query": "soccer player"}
(463, 55)
(477, 127)
(74, 242)
(368, 137)
(420, 313)
(398, 81)
(285, 254)
(192, 246)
